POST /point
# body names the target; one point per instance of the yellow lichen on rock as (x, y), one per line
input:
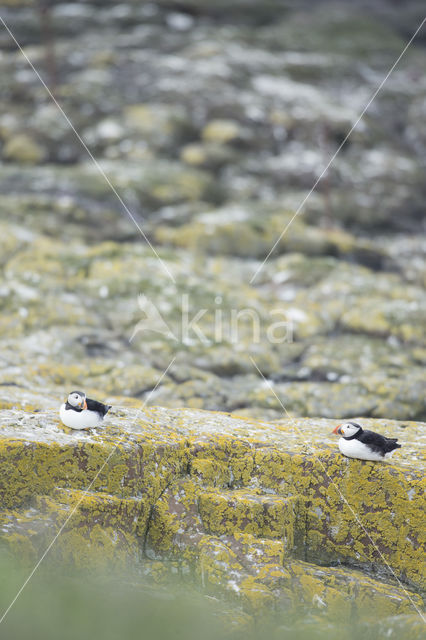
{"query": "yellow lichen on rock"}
(254, 510)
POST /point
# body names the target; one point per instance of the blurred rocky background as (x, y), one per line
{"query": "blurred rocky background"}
(213, 120)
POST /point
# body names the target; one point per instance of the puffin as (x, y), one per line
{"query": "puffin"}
(79, 412)
(357, 442)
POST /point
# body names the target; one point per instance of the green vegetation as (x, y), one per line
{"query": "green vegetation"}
(59, 603)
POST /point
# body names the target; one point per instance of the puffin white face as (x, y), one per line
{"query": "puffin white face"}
(347, 429)
(77, 399)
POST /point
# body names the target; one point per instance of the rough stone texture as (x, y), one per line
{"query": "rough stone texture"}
(212, 123)
(269, 513)
(213, 120)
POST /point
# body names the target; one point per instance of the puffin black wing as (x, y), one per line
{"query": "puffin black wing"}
(391, 444)
(94, 405)
(378, 443)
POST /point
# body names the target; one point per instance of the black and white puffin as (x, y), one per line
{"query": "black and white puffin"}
(80, 412)
(362, 444)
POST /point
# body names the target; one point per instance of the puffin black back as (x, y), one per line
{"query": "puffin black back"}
(99, 407)
(378, 442)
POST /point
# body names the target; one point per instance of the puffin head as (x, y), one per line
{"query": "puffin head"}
(77, 399)
(348, 429)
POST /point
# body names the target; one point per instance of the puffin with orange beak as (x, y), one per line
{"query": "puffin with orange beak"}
(356, 442)
(80, 412)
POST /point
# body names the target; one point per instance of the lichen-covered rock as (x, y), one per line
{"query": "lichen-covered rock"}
(213, 165)
(104, 530)
(64, 301)
(212, 121)
(22, 148)
(261, 511)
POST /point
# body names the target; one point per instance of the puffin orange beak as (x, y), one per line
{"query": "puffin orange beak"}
(84, 404)
(337, 430)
